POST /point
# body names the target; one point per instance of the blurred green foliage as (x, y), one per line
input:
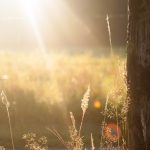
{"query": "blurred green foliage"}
(43, 92)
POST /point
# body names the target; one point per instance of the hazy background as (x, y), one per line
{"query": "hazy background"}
(76, 24)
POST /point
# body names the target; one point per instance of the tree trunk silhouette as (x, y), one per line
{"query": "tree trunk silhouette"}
(138, 75)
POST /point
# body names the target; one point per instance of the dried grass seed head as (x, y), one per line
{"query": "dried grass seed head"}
(85, 100)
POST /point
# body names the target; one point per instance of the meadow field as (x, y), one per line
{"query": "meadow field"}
(43, 90)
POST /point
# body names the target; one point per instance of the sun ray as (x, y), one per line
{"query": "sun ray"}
(29, 12)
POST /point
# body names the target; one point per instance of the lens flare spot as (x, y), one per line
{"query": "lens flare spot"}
(97, 104)
(112, 132)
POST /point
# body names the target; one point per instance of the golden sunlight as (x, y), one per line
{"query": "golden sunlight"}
(50, 51)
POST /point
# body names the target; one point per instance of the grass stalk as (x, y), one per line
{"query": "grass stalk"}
(109, 33)
(6, 103)
(117, 126)
(92, 142)
(10, 129)
(84, 106)
(104, 120)
(81, 124)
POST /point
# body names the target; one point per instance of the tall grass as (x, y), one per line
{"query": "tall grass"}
(55, 85)
(7, 104)
(109, 33)
(118, 79)
(61, 86)
(75, 142)
(84, 106)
